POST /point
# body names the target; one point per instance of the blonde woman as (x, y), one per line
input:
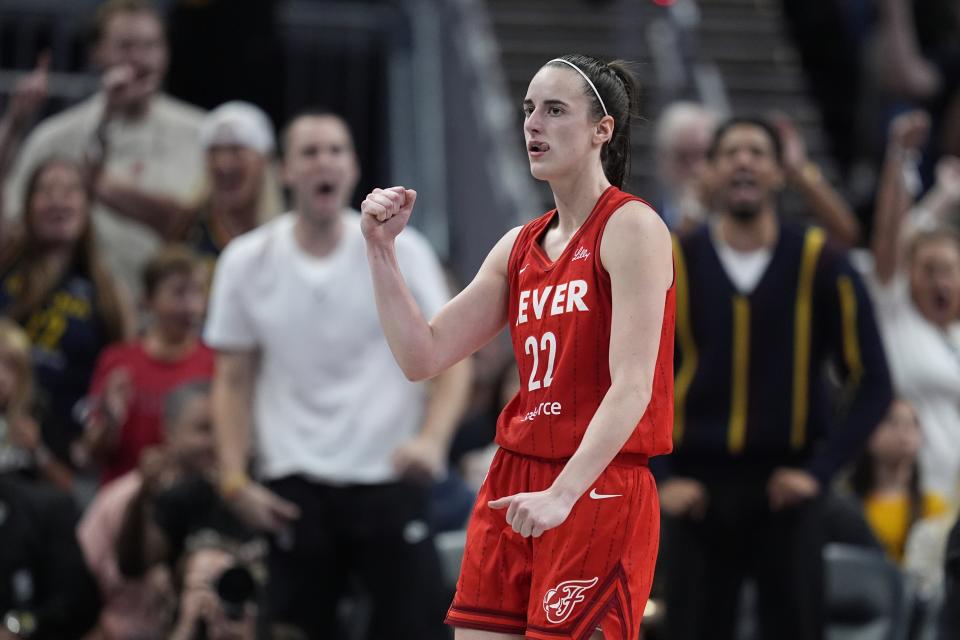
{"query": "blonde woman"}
(238, 192)
(53, 284)
(21, 448)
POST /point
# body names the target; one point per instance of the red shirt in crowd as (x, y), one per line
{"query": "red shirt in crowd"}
(151, 380)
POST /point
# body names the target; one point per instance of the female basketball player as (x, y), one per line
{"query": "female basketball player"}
(563, 538)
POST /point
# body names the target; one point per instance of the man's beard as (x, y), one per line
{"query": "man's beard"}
(744, 213)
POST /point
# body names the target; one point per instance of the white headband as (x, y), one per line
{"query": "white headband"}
(589, 82)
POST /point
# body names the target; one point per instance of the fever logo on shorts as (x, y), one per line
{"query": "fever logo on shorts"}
(560, 601)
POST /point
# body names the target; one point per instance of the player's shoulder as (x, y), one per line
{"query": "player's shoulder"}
(635, 221)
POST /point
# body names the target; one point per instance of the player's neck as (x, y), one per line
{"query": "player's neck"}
(576, 197)
(745, 236)
(318, 235)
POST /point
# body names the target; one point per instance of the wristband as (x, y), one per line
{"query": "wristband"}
(231, 484)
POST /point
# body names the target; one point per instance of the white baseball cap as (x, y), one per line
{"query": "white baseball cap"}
(238, 123)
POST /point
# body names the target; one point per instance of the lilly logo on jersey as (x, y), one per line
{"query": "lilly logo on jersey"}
(564, 298)
(581, 254)
(559, 602)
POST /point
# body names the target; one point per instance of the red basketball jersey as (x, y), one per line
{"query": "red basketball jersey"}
(559, 317)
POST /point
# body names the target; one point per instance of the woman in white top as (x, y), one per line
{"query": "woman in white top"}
(916, 287)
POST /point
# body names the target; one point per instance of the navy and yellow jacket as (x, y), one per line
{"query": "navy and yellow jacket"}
(752, 370)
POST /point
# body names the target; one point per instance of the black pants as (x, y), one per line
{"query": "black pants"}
(705, 563)
(376, 535)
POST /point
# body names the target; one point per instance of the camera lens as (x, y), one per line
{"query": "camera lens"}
(235, 588)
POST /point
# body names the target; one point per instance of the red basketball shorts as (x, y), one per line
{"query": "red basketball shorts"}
(593, 571)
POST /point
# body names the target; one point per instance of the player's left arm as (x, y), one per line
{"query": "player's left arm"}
(636, 251)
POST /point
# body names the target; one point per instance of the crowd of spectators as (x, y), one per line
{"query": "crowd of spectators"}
(189, 445)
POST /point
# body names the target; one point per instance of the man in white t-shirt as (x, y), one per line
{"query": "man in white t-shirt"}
(344, 444)
(154, 139)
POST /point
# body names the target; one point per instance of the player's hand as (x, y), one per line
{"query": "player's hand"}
(684, 498)
(421, 459)
(385, 213)
(530, 514)
(262, 509)
(788, 487)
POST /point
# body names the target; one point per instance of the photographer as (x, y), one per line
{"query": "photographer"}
(209, 608)
(178, 506)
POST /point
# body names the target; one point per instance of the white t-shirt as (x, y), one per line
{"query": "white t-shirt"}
(925, 366)
(330, 402)
(744, 268)
(160, 154)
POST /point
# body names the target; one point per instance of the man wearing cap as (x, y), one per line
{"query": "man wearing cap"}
(238, 191)
(345, 446)
(152, 138)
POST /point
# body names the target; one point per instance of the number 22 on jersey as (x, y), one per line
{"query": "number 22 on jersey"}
(533, 347)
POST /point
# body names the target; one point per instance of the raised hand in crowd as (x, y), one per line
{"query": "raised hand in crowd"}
(826, 205)
(103, 423)
(943, 199)
(28, 96)
(908, 133)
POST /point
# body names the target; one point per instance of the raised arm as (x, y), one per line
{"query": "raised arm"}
(636, 251)
(27, 97)
(825, 203)
(423, 349)
(944, 197)
(908, 132)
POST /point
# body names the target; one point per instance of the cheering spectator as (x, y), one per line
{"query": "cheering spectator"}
(299, 347)
(762, 307)
(132, 378)
(916, 290)
(240, 189)
(153, 139)
(682, 139)
(137, 530)
(21, 447)
(886, 477)
(53, 283)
